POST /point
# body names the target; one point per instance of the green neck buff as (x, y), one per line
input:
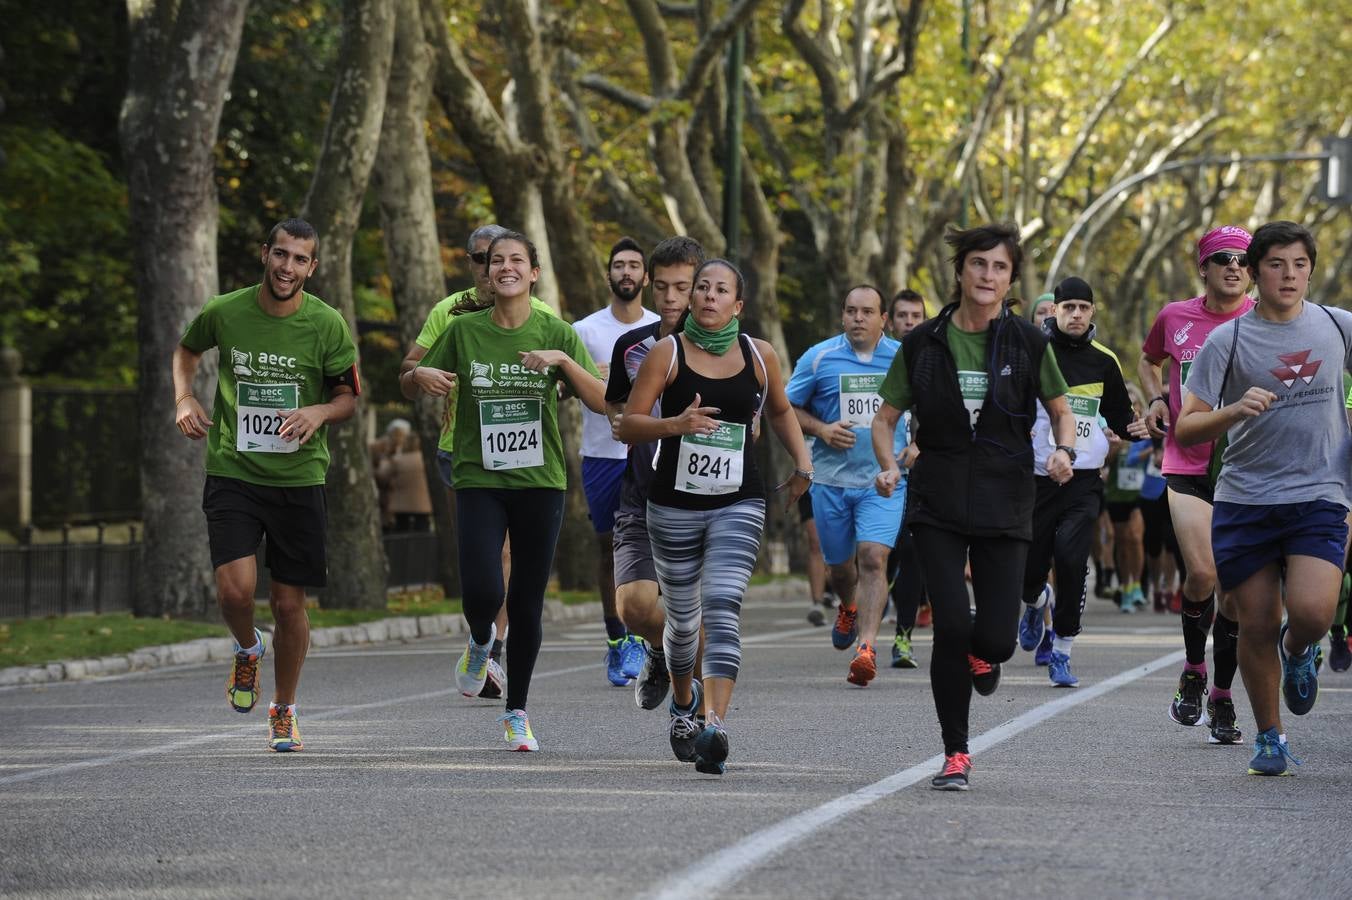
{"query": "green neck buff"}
(715, 342)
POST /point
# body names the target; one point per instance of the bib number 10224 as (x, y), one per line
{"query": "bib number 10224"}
(510, 434)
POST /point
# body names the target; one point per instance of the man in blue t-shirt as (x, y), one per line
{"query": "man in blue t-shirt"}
(834, 392)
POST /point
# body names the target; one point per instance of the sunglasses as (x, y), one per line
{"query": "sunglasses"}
(1225, 257)
(480, 257)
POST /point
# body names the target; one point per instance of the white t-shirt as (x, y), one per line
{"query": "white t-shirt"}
(599, 332)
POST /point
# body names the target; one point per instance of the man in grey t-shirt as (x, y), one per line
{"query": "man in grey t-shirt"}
(1271, 381)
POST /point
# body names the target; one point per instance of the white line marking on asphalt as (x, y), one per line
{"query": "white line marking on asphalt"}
(718, 871)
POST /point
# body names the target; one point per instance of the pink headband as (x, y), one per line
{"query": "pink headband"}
(1227, 237)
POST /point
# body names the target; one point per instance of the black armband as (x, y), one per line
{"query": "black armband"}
(348, 377)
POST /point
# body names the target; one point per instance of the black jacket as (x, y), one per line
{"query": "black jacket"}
(1087, 364)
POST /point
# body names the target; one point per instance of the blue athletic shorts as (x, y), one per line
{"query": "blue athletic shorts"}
(601, 483)
(1246, 538)
(848, 516)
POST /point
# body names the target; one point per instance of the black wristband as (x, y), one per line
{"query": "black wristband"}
(1153, 399)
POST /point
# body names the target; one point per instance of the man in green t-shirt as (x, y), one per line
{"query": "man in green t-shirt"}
(282, 353)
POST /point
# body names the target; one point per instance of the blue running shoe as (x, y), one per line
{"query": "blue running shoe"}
(1031, 627)
(615, 663)
(1270, 755)
(1044, 649)
(711, 748)
(633, 652)
(844, 632)
(1058, 669)
(1300, 683)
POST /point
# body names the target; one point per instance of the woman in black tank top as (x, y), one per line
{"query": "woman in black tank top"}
(706, 507)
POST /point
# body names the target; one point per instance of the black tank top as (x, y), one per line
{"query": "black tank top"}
(687, 475)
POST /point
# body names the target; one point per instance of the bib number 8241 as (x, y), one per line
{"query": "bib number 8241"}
(709, 467)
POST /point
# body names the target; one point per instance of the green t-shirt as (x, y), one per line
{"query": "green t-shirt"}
(269, 365)
(969, 353)
(506, 416)
(431, 330)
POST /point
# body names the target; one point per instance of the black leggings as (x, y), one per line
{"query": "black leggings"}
(484, 516)
(908, 583)
(1065, 520)
(997, 572)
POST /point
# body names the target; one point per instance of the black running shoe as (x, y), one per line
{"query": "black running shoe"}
(815, 616)
(653, 682)
(711, 749)
(1221, 714)
(985, 675)
(685, 725)
(1340, 657)
(1187, 706)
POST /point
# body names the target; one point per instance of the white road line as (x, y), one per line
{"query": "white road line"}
(719, 871)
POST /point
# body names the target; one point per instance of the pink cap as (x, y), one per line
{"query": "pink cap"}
(1227, 237)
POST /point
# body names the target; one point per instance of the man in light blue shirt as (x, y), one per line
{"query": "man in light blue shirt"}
(834, 392)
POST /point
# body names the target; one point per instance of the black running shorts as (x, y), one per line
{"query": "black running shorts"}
(1198, 486)
(240, 515)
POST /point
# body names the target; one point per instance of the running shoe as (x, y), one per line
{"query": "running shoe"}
(1300, 684)
(1058, 670)
(1176, 602)
(615, 663)
(1340, 657)
(1161, 601)
(516, 731)
(1043, 656)
(901, 653)
(472, 670)
(845, 631)
(815, 616)
(650, 688)
(633, 652)
(924, 616)
(1221, 714)
(283, 729)
(1318, 657)
(711, 748)
(1138, 597)
(953, 776)
(1187, 706)
(1270, 755)
(829, 599)
(495, 683)
(1031, 626)
(1123, 600)
(864, 666)
(684, 727)
(241, 688)
(985, 676)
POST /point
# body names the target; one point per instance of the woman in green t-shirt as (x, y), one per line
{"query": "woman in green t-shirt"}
(509, 466)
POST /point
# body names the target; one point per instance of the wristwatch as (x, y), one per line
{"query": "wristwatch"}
(1070, 451)
(801, 474)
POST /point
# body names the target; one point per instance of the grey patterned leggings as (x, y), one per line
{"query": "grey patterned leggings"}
(704, 561)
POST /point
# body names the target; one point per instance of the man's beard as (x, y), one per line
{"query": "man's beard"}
(625, 294)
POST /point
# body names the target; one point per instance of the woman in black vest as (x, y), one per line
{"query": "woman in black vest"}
(706, 505)
(972, 376)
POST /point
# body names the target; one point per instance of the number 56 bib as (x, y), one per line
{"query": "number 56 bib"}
(711, 464)
(258, 416)
(510, 433)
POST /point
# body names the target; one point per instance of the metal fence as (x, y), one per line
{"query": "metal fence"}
(57, 579)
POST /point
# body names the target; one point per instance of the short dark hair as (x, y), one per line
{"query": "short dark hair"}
(906, 295)
(981, 238)
(674, 251)
(1279, 234)
(623, 244)
(882, 301)
(297, 228)
(520, 239)
(736, 272)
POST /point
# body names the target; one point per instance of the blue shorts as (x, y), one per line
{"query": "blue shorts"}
(444, 467)
(1246, 538)
(848, 516)
(601, 483)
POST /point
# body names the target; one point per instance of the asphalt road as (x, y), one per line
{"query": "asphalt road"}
(149, 786)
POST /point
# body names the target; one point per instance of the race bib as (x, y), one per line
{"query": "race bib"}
(510, 433)
(1086, 412)
(973, 386)
(258, 416)
(1130, 479)
(859, 399)
(711, 464)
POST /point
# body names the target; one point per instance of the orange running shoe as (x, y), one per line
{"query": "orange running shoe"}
(953, 776)
(241, 688)
(844, 631)
(283, 729)
(924, 616)
(864, 667)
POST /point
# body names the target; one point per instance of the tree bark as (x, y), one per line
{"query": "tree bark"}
(357, 573)
(182, 58)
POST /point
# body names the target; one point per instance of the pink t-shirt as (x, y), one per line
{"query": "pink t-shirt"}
(1178, 333)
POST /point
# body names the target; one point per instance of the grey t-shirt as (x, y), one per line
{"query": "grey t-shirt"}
(1300, 449)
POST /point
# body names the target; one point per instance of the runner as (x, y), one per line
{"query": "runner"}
(1065, 515)
(1044, 309)
(834, 392)
(509, 471)
(282, 350)
(1122, 502)
(672, 266)
(706, 506)
(972, 484)
(603, 457)
(1179, 331)
(1271, 382)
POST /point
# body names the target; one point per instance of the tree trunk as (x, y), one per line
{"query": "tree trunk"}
(357, 574)
(403, 184)
(182, 59)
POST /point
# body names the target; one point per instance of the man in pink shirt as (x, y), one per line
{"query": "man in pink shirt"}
(1179, 331)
